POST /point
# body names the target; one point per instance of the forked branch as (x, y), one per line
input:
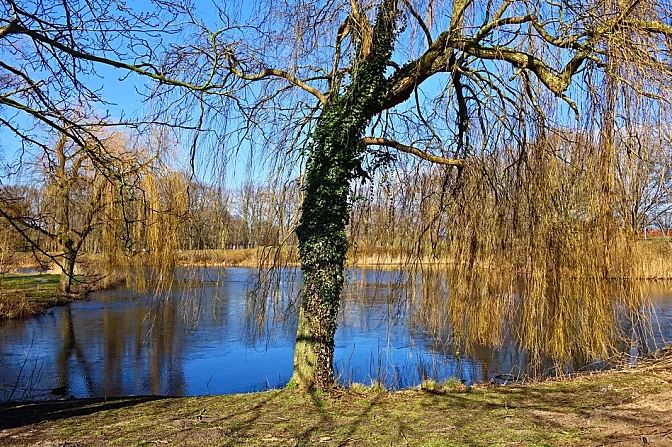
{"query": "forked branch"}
(378, 141)
(273, 72)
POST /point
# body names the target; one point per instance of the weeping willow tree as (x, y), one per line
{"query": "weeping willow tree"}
(142, 228)
(479, 45)
(352, 86)
(528, 260)
(76, 206)
(71, 183)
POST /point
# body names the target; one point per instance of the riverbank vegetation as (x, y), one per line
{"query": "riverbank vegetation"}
(652, 257)
(28, 295)
(631, 406)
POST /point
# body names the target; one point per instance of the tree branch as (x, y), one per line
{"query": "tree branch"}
(272, 72)
(421, 22)
(406, 79)
(556, 82)
(655, 26)
(16, 28)
(9, 28)
(377, 141)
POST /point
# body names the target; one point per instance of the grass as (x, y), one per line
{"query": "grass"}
(26, 295)
(616, 408)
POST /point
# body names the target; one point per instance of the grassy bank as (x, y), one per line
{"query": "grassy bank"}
(26, 295)
(630, 407)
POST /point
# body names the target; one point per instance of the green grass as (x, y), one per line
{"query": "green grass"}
(616, 408)
(26, 295)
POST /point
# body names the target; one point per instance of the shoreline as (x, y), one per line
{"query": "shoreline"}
(652, 259)
(24, 295)
(30, 295)
(619, 406)
(628, 406)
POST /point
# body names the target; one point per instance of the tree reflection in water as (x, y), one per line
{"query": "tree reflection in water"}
(209, 335)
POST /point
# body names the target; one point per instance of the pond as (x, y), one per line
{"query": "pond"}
(207, 336)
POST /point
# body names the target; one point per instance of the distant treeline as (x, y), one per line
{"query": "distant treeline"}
(412, 209)
(209, 217)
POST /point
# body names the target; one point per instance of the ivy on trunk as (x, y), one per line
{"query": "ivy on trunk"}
(333, 162)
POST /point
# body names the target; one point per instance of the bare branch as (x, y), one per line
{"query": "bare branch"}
(420, 21)
(377, 141)
(153, 73)
(272, 72)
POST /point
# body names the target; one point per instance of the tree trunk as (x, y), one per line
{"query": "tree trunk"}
(63, 238)
(334, 162)
(322, 250)
(67, 268)
(65, 242)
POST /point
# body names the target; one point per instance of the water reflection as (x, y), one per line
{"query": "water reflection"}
(208, 337)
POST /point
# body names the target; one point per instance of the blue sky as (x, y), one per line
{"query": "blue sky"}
(119, 88)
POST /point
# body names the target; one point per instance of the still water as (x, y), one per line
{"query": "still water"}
(207, 337)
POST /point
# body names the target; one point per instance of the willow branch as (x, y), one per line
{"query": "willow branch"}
(556, 82)
(655, 26)
(377, 141)
(9, 28)
(500, 22)
(273, 72)
(420, 21)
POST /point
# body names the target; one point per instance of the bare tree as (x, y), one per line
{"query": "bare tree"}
(52, 55)
(642, 179)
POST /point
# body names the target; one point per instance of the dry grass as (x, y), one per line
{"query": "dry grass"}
(614, 408)
(248, 257)
(253, 257)
(17, 306)
(654, 258)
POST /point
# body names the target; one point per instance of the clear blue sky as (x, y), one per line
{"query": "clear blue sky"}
(119, 88)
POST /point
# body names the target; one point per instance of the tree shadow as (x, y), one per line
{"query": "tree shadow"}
(14, 415)
(561, 411)
(346, 418)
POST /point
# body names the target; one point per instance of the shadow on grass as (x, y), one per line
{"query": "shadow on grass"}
(14, 415)
(554, 414)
